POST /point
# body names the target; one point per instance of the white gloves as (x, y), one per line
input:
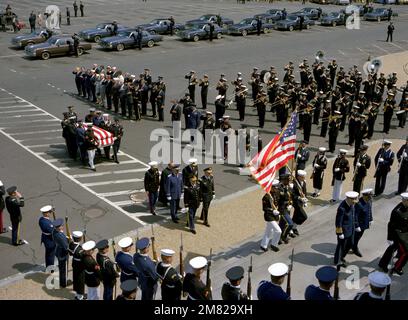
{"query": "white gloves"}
(370, 223)
(182, 196)
(305, 204)
(214, 196)
(358, 229)
(316, 166)
(404, 154)
(289, 207)
(304, 200)
(358, 164)
(336, 169)
(299, 156)
(291, 185)
(169, 198)
(390, 242)
(276, 212)
(380, 160)
(341, 236)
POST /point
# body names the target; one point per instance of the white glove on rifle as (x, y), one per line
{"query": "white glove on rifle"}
(336, 169)
(182, 196)
(390, 242)
(276, 212)
(358, 164)
(169, 198)
(214, 196)
(316, 166)
(404, 154)
(380, 160)
(289, 207)
(291, 185)
(358, 229)
(299, 156)
(341, 236)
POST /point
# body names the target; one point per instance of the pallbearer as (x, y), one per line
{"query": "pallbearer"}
(272, 290)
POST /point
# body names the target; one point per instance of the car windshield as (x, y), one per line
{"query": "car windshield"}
(124, 33)
(307, 9)
(293, 18)
(333, 14)
(205, 17)
(155, 21)
(378, 10)
(246, 21)
(101, 26)
(191, 26)
(53, 40)
(273, 11)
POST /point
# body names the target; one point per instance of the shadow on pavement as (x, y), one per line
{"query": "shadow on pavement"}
(41, 278)
(312, 259)
(325, 248)
(24, 267)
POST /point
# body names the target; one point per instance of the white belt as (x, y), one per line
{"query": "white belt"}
(191, 297)
(47, 234)
(76, 259)
(89, 272)
(128, 274)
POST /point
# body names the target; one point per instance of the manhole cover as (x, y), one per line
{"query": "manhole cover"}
(94, 213)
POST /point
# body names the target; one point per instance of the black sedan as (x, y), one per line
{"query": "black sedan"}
(199, 32)
(377, 14)
(101, 30)
(333, 19)
(125, 40)
(312, 13)
(275, 14)
(211, 18)
(248, 26)
(160, 26)
(292, 22)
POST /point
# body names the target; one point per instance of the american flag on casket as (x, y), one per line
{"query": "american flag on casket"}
(105, 138)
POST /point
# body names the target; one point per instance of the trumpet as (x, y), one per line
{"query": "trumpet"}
(331, 118)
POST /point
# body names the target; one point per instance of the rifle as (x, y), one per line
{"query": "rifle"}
(336, 284)
(288, 287)
(249, 284)
(67, 227)
(137, 239)
(154, 246)
(208, 282)
(53, 213)
(116, 265)
(84, 235)
(388, 290)
(181, 262)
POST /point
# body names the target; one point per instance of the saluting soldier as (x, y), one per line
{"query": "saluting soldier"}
(240, 99)
(231, 291)
(378, 281)
(302, 155)
(192, 82)
(125, 260)
(319, 165)
(208, 124)
(299, 200)
(389, 106)
(204, 84)
(207, 193)
(402, 157)
(151, 185)
(46, 235)
(78, 270)
(14, 201)
(129, 290)
(364, 213)
(326, 276)
(340, 167)
(92, 271)
(171, 281)
(272, 290)
(192, 284)
(260, 104)
(108, 272)
(61, 250)
(361, 165)
(219, 109)
(384, 160)
(346, 226)
(146, 268)
(190, 170)
(273, 232)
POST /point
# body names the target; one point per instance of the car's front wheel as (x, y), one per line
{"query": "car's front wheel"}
(30, 43)
(266, 30)
(334, 23)
(244, 33)
(97, 38)
(45, 55)
(150, 43)
(120, 47)
(196, 38)
(219, 35)
(80, 51)
(290, 28)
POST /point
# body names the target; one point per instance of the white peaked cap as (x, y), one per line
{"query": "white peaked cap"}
(367, 191)
(322, 149)
(153, 163)
(275, 183)
(77, 234)
(125, 242)
(278, 269)
(301, 173)
(379, 279)
(167, 252)
(352, 194)
(45, 209)
(89, 245)
(198, 262)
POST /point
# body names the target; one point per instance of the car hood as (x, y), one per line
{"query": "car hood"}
(372, 14)
(147, 25)
(40, 45)
(239, 26)
(285, 22)
(196, 21)
(93, 30)
(24, 37)
(114, 39)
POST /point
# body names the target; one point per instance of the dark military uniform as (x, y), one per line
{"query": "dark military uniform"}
(302, 156)
(267, 291)
(207, 193)
(389, 105)
(192, 201)
(108, 275)
(171, 284)
(46, 239)
(232, 293)
(318, 172)
(402, 156)
(364, 215)
(117, 130)
(188, 172)
(299, 192)
(163, 181)
(151, 185)
(382, 169)
(78, 270)
(284, 203)
(366, 296)
(339, 176)
(147, 275)
(204, 92)
(61, 252)
(127, 267)
(333, 133)
(316, 293)
(195, 288)
(360, 172)
(13, 205)
(93, 274)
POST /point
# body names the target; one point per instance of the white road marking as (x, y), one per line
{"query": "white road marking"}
(103, 183)
(382, 49)
(44, 145)
(396, 45)
(119, 193)
(10, 100)
(14, 111)
(39, 138)
(126, 203)
(68, 176)
(23, 115)
(57, 160)
(35, 132)
(14, 107)
(98, 174)
(115, 164)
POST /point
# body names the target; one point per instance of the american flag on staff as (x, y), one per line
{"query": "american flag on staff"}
(275, 155)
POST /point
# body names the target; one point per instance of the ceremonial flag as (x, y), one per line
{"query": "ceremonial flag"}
(105, 138)
(275, 155)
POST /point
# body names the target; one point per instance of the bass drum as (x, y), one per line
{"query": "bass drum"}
(263, 73)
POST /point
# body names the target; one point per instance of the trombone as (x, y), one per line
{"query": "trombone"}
(235, 94)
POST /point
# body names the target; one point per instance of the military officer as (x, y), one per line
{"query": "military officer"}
(163, 181)
(397, 237)
(326, 276)
(319, 165)
(117, 129)
(14, 201)
(340, 167)
(402, 157)
(192, 201)
(231, 291)
(171, 281)
(207, 193)
(219, 109)
(2, 205)
(285, 205)
(192, 284)
(384, 160)
(146, 268)
(260, 104)
(346, 226)
(389, 106)
(108, 272)
(325, 118)
(364, 215)
(208, 125)
(192, 82)
(151, 185)
(299, 200)
(61, 250)
(204, 84)
(125, 260)
(78, 270)
(361, 165)
(129, 290)
(302, 155)
(174, 191)
(334, 124)
(378, 281)
(272, 290)
(92, 271)
(273, 231)
(46, 235)
(190, 170)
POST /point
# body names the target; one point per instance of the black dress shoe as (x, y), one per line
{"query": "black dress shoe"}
(343, 265)
(174, 220)
(399, 272)
(280, 242)
(292, 235)
(193, 231)
(357, 253)
(154, 213)
(275, 249)
(264, 249)
(206, 224)
(295, 231)
(285, 240)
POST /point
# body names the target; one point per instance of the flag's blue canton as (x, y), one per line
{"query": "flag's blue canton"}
(291, 128)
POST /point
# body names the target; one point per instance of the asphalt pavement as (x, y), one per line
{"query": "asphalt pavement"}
(34, 93)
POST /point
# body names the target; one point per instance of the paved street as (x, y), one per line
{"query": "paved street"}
(34, 93)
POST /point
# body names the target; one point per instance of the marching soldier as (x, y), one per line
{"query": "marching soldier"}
(219, 109)
(192, 284)
(46, 235)
(340, 167)
(174, 190)
(299, 200)
(384, 160)
(285, 205)
(302, 155)
(378, 281)
(222, 87)
(78, 270)
(326, 115)
(163, 181)
(14, 201)
(346, 226)
(255, 83)
(129, 290)
(260, 104)
(108, 272)
(307, 122)
(402, 157)
(92, 271)
(396, 237)
(192, 82)
(272, 290)
(364, 214)
(231, 291)
(389, 106)
(326, 276)
(61, 250)
(147, 269)
(208, 124)
(207, 193)
(361, 165)
(192, 201)
(171, 281)
(273, 231)
(334, 124)
(361, 132)
(240, 99)
(204, 84)
(151, 185)
(319, 165)
(372, 117)
(125, 260)
(117, 129)
(175, 111)
(189, 171)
